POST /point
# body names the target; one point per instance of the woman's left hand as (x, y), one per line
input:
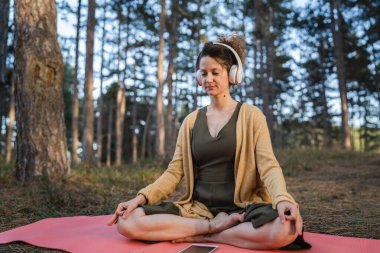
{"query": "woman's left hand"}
(290, 212)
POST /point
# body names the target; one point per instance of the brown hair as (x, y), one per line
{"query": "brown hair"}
(223, 55)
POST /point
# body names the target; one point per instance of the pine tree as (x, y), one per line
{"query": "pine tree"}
(41, 141)
(337, 32)
(75, 114)
(160, 122)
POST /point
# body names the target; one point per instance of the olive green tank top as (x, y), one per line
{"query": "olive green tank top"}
(214, 159)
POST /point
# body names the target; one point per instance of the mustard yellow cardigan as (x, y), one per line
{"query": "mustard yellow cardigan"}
(258, 176)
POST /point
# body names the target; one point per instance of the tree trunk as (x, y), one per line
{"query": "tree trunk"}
(256, 47)
(88, 133)
(327, 132)
(263, 81)
(270, 76)
(134, 127)
(151, 140)
(325, 117)
(99, 136)
(171, 69)
(160, 121)
(366, 123)
(198, 31)
(109, 135)
(11, 118)
(146, 131)
(175, 121)
(74, 126)
(120, 101)
(124, 88)
(337, 32)
(243, 88)
(4, 17)
(41, 140)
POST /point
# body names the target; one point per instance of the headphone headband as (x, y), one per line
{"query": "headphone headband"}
(236, 72)
(240, 65)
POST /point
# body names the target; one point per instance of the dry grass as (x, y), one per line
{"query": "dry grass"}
(337, 191)
(340, 194)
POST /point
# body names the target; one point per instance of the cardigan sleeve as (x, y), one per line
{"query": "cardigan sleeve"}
(168, 181)
(268, 166)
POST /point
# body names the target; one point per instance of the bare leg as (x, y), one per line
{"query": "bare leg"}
(162, 227)
(272, 235)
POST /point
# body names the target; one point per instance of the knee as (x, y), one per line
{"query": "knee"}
(282, 234)
(130, 227)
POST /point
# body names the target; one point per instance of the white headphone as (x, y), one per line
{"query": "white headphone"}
(235, 76)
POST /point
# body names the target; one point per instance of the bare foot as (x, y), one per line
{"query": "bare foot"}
(221, 222)
(224, 221)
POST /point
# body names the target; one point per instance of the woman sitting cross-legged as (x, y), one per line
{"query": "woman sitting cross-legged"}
(235, 189)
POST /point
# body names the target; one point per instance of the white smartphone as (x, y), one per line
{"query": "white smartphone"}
(199, 248)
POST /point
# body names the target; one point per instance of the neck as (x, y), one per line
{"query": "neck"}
(222, 102)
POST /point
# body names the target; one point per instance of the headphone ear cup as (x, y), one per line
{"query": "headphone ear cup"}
(198, 77)
(232, 75)
(239, 76)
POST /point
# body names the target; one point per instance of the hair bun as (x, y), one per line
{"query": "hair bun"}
(237, 42)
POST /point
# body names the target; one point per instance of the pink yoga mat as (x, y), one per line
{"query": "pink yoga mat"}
(91, 234)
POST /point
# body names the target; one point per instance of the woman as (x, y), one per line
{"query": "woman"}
(235, 189)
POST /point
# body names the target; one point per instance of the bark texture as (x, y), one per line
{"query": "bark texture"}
(170, 142)
(198, 18)
(11, 119)
(109, 135)
(120, 100)
(160, 120)
(74, 127)
(337, 31)
(146, 131)
(135, 141)
(41, 141)
(88, 131)
(4, 17)
(99, 137)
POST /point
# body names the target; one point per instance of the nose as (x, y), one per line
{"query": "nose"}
(208, 77)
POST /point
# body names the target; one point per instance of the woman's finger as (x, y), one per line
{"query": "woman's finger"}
(293, 213)
(129, 210)
(299, 225)
(121, 208)
(281, 214)
(112, 220)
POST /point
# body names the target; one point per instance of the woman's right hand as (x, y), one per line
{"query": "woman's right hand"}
(125, 208)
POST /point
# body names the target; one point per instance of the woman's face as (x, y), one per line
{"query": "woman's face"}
(213, 77)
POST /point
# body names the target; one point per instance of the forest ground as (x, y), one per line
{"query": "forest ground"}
(338, 193)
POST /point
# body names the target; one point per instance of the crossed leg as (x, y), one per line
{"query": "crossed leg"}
(273, 235)
(168, 227)
(164, 227)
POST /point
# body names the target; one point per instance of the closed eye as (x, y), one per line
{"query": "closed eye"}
(215, 74)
